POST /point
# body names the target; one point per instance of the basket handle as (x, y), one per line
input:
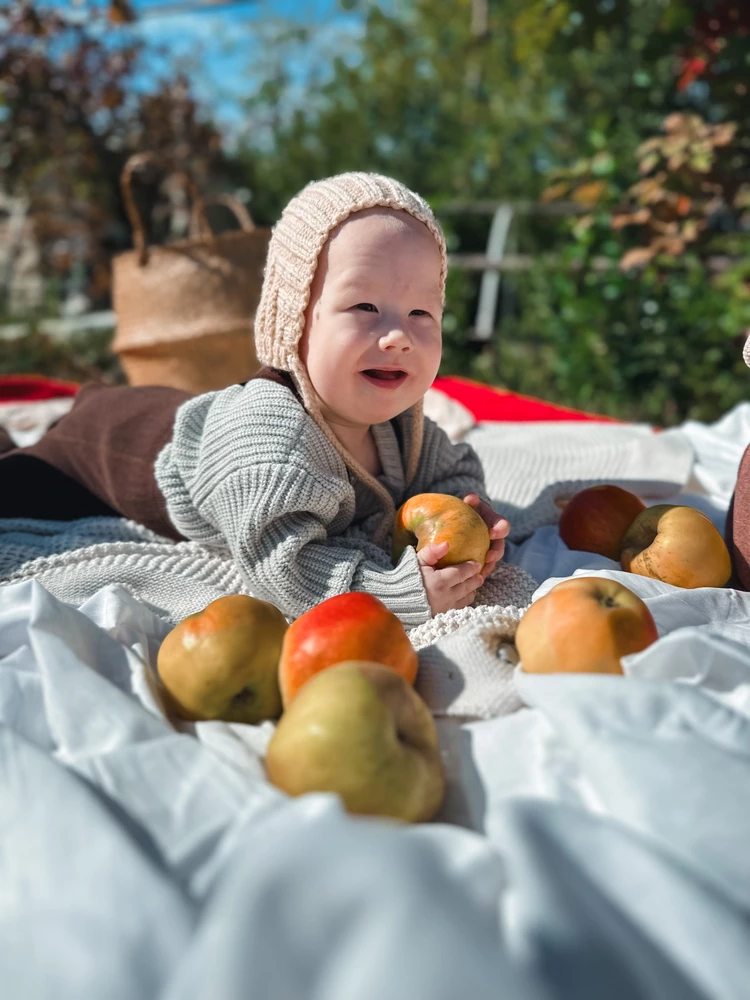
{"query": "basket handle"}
(140, 239)
(235, 206)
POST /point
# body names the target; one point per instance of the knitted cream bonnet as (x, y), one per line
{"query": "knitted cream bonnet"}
(296, 242)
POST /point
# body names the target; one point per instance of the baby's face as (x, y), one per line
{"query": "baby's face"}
(372, 340)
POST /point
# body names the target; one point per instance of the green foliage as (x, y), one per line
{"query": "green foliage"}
(421, 98)
(545, 93)
(552, 89)
(73, 107)
(83, 357)
(460, 113)
(661, 346)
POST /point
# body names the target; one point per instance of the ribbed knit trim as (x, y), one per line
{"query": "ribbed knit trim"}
(404, 600)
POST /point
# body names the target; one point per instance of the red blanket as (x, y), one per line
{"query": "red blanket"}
(485, 402)
(28, 388)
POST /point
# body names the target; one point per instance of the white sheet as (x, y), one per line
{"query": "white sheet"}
(592, 844)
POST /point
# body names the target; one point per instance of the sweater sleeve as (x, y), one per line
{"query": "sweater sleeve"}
(449, 468)
(268, 486)
(279, 539)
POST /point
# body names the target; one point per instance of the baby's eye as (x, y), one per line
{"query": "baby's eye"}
(419, 312)
(366, 306)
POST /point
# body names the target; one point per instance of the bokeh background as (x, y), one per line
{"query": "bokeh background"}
(589, 161)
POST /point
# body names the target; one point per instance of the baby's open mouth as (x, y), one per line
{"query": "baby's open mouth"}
(385, 376)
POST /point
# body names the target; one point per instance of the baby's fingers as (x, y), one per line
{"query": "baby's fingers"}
(463, 579)
(500, 529)
(432, 553)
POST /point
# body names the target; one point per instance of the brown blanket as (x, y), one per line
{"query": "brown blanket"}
(738, 526)
(98, 459)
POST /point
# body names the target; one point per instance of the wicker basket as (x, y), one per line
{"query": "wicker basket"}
(201, 364)
(185, 309)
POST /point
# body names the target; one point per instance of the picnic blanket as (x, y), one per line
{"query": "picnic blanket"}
(593, 837)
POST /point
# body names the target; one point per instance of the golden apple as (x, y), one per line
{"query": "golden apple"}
(439, 517)
(583, 625)
(358, 729)
(678, 545)
(222, 662)
(596, 519)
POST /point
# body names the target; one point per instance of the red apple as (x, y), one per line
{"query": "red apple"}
(596, 519)
(584, 625)
(353, 626)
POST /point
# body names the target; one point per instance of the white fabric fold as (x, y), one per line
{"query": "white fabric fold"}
(593, 839)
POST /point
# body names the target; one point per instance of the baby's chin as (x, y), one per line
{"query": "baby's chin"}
(364, 404)
(391, 403)
(363, 416)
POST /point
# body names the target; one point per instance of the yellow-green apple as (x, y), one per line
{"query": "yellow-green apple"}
(352, 626)
(358, 729)
(596, 519)
(439, 517)
(222, 662)
(583, 625)
(678, 545)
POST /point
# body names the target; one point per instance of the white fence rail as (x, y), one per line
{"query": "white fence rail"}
(61, 329)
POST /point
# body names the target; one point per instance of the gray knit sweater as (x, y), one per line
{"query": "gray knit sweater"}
(247, 468)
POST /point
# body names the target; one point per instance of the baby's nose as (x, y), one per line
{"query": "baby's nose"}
(396, 336)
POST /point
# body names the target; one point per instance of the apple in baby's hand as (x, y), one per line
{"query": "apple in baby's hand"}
(358, 729)
(439, 517)
(222, 662)
(596, 519)
(352, 626)
(583, 625)
(678, 545)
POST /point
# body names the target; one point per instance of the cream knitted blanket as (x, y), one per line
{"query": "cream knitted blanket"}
(174, 579)
(466, 656)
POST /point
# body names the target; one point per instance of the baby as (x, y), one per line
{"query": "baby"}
(299, 471)
(304, 490)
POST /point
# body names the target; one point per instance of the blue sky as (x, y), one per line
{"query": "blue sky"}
(223, 49)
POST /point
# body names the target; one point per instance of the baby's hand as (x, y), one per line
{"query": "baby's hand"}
(451, 586)
(498, 528)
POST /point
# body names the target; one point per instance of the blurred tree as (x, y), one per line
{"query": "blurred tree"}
(713, 27)
(662, 338)
(488, 99)
(430, 96)
(463, 100)
(70, 115)
(470, 100)
(521, 99)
